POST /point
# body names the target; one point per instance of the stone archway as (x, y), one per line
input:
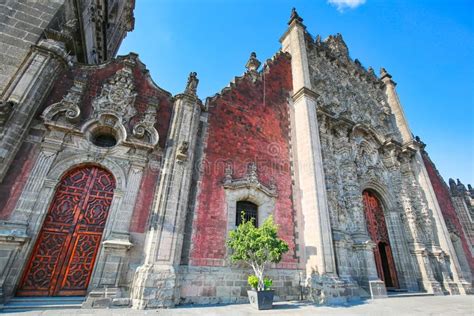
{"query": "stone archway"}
(63, 257)
(377, 228)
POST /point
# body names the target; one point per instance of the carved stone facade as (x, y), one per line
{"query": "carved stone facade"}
(312, 138)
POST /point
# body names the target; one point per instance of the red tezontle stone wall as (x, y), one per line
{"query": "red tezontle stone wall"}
(247, 123)
(446, 204)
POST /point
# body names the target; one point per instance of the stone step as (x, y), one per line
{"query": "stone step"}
(407, 294)
(21, 304)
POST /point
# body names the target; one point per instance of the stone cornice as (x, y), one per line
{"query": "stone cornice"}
(305, 92)
(47, 47)
(250, 181)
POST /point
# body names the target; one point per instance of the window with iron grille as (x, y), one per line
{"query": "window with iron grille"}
(250, 209)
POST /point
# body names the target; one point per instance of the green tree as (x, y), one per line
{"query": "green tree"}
(256, 246)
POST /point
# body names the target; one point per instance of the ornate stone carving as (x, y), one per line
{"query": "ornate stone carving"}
(69, 106)
(252, 66)
(250, 181)
(337, 46)
(145, 127)
(253, 63)
(346, 89)
(182, 153)
(117, 96)
(228, 174)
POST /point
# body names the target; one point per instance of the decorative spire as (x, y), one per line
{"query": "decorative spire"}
(384, 73)
(295, 17)
(191, 86)
(253, 63)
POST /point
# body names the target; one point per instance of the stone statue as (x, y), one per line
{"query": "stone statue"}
(192, 84)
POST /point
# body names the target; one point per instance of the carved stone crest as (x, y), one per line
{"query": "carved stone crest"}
(117, 96)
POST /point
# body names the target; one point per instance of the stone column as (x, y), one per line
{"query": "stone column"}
(395, 106)
(155, 283)
(313, 204)
(25, 94)
(407, 276)
(418, 246)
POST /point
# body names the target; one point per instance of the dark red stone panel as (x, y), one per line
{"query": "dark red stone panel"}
(247, 123)
(446, 204)
(16, 177)
(144, 201)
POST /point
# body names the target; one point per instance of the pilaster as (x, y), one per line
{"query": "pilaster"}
(428, 281)
(156, 283)
(25, 94)
(395, 106)
(318, 244)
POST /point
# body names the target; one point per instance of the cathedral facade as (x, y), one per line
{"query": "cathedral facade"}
(116, 190)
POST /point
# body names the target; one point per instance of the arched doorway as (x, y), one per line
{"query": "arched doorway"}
(379, 234)
(63, 257)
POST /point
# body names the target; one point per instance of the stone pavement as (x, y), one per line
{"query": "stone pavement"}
(421, 305)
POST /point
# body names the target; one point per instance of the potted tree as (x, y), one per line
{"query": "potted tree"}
(257, 247)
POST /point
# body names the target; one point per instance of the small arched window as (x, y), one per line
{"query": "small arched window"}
(250, 209)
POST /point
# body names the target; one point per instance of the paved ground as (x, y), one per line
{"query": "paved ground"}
(428, 305)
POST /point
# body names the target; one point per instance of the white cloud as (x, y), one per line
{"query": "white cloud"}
(342, 5)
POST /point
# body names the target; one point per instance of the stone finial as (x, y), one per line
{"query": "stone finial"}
(318, 39)
(228, 172)
(460, 186)
(193, 81)
(252, 176)
(452, 186)
(253, 63)
(272, 184)
(295, 17)
(420, 142)
(384, 73)
(471, 190)
(371, 71)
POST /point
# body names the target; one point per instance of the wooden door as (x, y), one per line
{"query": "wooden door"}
(63, 257)
(379, 234)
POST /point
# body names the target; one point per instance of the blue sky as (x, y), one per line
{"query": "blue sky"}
(427, 46)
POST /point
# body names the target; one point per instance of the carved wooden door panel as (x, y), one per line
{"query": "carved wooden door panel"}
(379, 234)
(63, 257)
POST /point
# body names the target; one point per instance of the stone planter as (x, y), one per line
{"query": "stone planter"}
(261, 299)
